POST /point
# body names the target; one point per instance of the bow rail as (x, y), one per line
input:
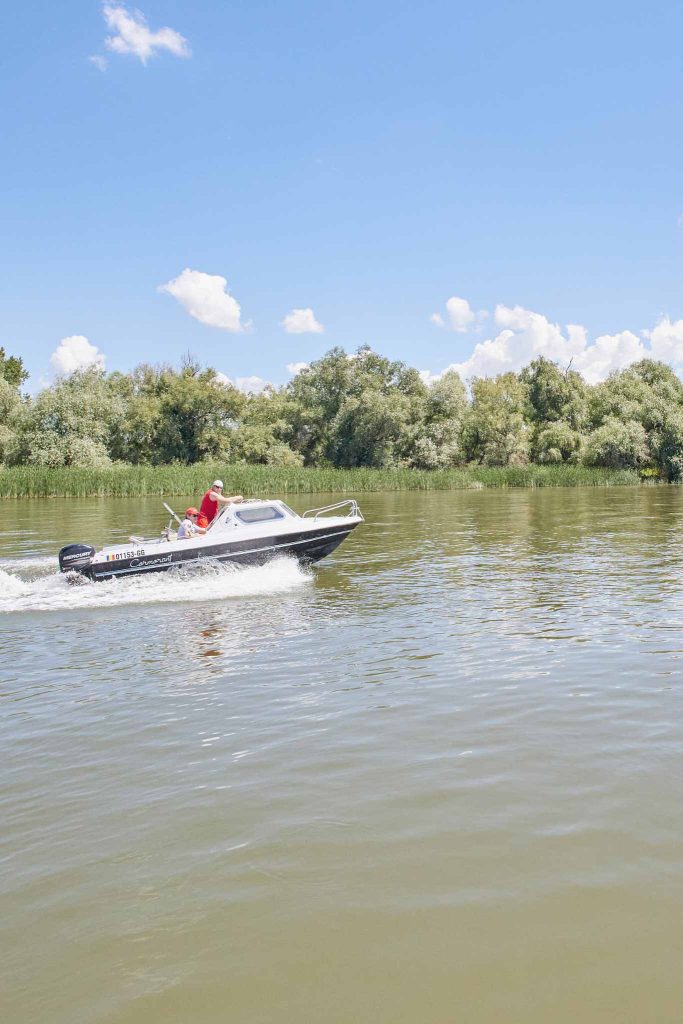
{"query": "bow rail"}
(351, 504)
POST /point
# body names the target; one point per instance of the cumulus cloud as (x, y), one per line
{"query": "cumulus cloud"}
(302, 321)
(223, 381)
(252, 385)
(75, 353)
(131, 35)
(295, 368)
(666, 340)
(429, 378)
(206, 298)
(247, 385)
(461, 316)
(525, 335)
(99, 61)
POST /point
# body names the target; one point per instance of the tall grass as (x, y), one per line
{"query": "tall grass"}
(135, 481)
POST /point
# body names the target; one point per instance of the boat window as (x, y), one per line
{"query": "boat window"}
(259, 515)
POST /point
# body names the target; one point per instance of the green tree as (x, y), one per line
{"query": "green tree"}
(12, 376)
(67, 424)
(618, 445)
(667, 446)
(12, 370)
(554, 394)
(648, 393)
(368, 429)
(495, 432)
(317, 394)
(182, 416)
(196, 410)
(135, 437)
(437, 439)
(359, 410)
(267, 425)
(556, 442)
(257, 443)
(10, 406)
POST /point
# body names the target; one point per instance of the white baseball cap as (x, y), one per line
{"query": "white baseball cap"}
(217, 483)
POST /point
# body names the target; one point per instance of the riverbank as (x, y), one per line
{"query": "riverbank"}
(135, 481)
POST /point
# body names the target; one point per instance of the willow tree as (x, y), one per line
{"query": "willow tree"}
(172, 415)
(12, 376)
(650, 394)
(68, 424)
(356, 410)
(495, 431)
(437, 442)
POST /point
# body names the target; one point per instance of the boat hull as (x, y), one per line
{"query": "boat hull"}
(307, 546)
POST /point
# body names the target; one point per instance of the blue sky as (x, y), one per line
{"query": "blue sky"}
(364, 161)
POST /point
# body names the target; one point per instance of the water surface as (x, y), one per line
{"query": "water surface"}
(435, 779)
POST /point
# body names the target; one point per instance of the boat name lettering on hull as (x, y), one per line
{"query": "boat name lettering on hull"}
(151, 561)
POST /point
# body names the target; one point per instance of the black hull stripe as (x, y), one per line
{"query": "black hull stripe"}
(312, 540)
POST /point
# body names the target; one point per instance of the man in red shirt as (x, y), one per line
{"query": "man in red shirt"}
(208, 510)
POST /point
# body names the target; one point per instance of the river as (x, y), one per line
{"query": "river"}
(435, 779)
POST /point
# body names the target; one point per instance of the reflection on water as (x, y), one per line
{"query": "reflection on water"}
(434, 779)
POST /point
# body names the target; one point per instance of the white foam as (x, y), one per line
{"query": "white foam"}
(208, 583)
(31, 564)
(11, 587)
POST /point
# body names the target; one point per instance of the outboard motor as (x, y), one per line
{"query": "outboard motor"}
(75, 557)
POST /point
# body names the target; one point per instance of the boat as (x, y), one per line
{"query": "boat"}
(249, 532)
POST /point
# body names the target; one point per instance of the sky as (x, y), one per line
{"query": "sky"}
(463, 185)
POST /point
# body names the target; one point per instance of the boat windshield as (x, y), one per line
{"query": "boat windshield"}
(262, 514)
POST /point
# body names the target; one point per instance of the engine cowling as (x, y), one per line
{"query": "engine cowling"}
(75, 557)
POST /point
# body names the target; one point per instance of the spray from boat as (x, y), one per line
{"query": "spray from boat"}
(36, 585)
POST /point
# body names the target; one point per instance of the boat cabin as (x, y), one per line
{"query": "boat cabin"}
(252, 512)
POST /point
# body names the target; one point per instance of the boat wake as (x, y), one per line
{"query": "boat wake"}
(29, 566)
(28, 585)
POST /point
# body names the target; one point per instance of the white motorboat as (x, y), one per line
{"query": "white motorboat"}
(246, 533)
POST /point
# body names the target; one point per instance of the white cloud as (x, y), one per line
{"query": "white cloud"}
(75, 353)
(220, 380)
(302, 321)
(99, 61)
(247, 385)
(610, 352)
(666, 340)
(131, 35)
(252, 385)
(460, 314)
(206, 298)
(295, 368)
(525, 335)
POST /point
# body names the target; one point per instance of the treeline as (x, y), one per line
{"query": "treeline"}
(346, 411)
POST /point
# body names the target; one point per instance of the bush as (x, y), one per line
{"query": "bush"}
(618, 445)
(436, 446)
(668, 447)
(556, 442)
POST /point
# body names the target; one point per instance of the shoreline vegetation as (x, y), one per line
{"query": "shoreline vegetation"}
(344, 423)
(139, 481)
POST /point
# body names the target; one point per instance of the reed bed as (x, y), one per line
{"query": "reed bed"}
(136, 481)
